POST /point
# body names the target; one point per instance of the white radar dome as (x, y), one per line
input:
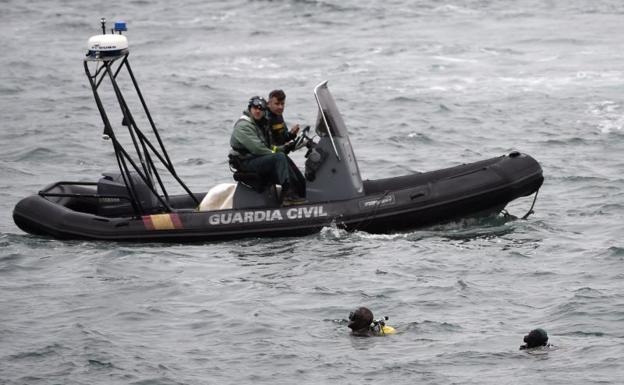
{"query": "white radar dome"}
(107, 44)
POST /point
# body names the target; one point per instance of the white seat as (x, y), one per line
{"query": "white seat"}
(220, 197)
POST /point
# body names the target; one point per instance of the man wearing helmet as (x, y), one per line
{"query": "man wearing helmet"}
(252, 149)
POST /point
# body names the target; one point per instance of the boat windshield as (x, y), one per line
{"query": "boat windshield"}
(328, 113)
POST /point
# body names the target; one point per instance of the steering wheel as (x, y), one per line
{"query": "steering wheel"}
(303, 138)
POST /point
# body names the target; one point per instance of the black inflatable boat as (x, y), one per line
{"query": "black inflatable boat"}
(134, 204)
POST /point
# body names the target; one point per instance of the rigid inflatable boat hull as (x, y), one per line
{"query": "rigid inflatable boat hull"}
(391, 204)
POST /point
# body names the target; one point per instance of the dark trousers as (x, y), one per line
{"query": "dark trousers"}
(278, 169)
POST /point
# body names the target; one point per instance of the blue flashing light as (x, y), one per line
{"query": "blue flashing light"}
(120, 26)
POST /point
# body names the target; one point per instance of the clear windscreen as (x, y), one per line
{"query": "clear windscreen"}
(328, 112)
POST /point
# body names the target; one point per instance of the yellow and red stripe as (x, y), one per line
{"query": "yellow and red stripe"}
(162, 222)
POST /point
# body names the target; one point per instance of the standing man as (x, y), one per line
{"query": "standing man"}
(252, 150)
(278, 129)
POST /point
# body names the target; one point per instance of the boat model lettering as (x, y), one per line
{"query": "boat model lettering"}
(256, 216)
(374, 203)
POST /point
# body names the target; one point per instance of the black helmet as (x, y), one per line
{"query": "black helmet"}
(361, 318)
(535, 338)
(257, 101)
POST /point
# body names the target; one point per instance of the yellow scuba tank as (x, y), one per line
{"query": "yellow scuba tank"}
(387, 330)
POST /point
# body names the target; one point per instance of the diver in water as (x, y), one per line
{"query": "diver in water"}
(535, 339)
(362, 324)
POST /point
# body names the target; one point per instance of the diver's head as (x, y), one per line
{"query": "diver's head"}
(536, 338)
(360, 318)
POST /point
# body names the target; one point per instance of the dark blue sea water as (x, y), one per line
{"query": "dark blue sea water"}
(422, 85)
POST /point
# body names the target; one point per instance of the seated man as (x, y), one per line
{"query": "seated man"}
(279, 135)
(277, 127)
(251, 147)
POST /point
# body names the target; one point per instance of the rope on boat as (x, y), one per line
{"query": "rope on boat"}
(532, 205)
